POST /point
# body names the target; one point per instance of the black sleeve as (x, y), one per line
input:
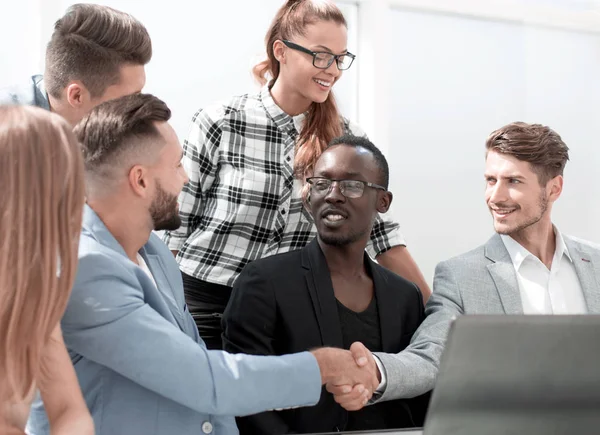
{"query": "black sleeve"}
(249, 325)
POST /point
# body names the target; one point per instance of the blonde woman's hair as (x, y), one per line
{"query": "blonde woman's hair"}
(42, 197)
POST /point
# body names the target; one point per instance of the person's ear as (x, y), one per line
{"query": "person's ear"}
(306, 201)
(279, 51)
(384, 201)
(554, 188)
(77, 95)
(138, 180)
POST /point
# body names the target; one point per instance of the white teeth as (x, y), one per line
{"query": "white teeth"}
(334, 217)
(322, 83)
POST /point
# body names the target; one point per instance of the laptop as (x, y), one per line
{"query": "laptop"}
(505, 374)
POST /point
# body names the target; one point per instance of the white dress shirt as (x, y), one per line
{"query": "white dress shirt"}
(145, 268)
(543, 291)
(383, 384)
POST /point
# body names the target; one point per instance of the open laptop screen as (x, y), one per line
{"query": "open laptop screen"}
(518, 374)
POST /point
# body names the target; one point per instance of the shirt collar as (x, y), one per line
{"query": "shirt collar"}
(518, 253)
(40, 94)
(561, 247)
(282, 120)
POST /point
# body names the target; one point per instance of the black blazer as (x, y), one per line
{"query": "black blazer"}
(285, 304)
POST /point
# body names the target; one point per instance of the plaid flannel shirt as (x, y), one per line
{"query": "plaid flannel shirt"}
(242, 201)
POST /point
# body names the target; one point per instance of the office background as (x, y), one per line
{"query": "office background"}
(432, 79)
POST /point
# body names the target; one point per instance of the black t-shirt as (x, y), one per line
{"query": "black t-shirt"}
(363, 327)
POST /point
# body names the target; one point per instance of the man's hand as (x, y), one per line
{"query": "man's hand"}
(348, 370)
(350, 397)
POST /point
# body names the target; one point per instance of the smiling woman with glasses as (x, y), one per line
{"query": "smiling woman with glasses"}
(247, 159)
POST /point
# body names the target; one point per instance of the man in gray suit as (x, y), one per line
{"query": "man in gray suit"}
(528, 267)
(95, 54)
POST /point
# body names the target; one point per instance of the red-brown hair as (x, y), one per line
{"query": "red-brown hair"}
(323, 121)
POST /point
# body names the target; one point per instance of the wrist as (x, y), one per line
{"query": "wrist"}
(324, 357)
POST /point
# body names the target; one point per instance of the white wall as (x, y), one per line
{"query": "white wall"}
(432, 79)
(456, 79)
(20, 34)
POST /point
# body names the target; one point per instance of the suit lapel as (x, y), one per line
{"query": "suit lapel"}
(320, 288)
(163, 285)
(390, 320)
(587, 267)
(503, 273)
(93, 225)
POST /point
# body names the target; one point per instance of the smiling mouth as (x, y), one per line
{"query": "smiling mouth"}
(503, 212)
(334, 218)
(323, 83)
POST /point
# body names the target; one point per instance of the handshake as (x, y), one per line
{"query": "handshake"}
(351, 376)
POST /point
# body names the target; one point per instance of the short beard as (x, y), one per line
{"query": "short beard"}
(339, 241)
(543, 206)
(163, 210)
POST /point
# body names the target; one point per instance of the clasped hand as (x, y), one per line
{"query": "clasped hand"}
(351, 376)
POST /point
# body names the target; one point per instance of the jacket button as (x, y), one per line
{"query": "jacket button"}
(207, 427)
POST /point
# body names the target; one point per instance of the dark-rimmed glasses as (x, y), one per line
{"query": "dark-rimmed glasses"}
(324, 59)
(349, 188)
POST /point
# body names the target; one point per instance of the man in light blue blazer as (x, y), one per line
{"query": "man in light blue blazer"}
(527, 267)
(141, 365)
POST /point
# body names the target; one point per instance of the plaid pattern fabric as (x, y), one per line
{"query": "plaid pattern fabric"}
(242, 201)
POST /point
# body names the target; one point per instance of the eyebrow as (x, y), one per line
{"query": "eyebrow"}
(506, 177)
(346, 176)
(329, 49)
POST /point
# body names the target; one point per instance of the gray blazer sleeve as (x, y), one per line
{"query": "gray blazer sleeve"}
(107, 321)
(412, 372)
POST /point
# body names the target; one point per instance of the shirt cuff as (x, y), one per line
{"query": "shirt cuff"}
(382, 385)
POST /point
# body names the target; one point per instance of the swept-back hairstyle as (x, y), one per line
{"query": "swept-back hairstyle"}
(42, 199)
(90, 43)
(537, 144)
(323, 121)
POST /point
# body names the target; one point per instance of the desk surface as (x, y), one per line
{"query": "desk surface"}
(416, 431)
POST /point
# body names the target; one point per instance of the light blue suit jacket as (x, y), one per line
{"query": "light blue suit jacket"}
(141, 365)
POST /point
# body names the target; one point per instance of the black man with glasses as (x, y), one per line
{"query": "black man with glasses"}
(330, 293)
(247, 158)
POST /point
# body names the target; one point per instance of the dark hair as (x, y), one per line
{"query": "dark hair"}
(90, 43)
(363, 142)
(117, 126)
(537, 144)
(323, 121)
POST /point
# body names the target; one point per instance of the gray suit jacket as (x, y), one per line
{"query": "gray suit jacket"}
(31, 92)
(141, 365)
(482, 281)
